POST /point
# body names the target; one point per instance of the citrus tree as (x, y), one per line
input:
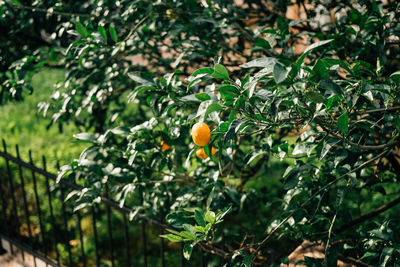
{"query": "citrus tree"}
(190, 109)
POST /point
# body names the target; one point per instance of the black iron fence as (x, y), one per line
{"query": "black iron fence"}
(35, 219)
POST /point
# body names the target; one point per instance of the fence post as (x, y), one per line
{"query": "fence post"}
(14, 202)
(4, 214)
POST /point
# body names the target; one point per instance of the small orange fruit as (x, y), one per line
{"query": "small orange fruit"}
(201, 134)
(202, 154)
(164, 146)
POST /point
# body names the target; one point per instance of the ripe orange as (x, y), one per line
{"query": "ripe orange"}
(201, 134)
(202, 154)
(164, 146)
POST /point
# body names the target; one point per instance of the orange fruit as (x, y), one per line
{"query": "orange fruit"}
(201, 134)
(202, 154)
(164, 146)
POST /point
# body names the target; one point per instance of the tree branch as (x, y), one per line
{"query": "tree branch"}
(379, 110)
(259, 245)
(368, 216)
(352, 261)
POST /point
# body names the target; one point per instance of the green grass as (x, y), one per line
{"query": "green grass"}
(21, 124)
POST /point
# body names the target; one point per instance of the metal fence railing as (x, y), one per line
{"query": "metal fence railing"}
(35, 219)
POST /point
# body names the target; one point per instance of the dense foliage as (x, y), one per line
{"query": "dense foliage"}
(318, 92)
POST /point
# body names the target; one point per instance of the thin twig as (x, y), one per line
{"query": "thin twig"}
(378, 110)
(353, 261)
(133, 30)
(329, 236)
(372, 147)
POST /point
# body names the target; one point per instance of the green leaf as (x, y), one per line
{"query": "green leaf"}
(303, 148)
(315, 97)
(203, 71)
(332, 256)
(333, 100)
(233, 128)
(189, 157)
(207, 150)
(202, 96)
(220, 72)
(172, 238)
(212, 108)
(262, 43)
(140, 89)
(139, 79)
(187, 250)
(16, 2)
(211, 196)
(255, 155)
(177, 219)
(198, 216)
(308, 50)
(228, 92)
(86, 137)
(386, 256)
(80, 206)
(173, 231)
(187, 236)
(81, 29)
(222, 214)
(343, 123)
(327, 145)
(199, 229)
(121, 130)
(210, 216)
(280, 73)
(298, 21)
(248, 261)
(263, 62)
(330, 87)
(396, 76)
(113, 34)
(188, 228)
(396, 73)
(396, 123)
(102, 32)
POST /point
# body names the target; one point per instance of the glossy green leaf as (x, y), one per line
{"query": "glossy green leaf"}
(172, 238)
(343, 123)
(81, 29)
(102, 32)
(202, 96)
(280, 73)
(187, 250)
(86, 137)
(262, 43)
(260, 63)
(310, 48)
(113, 34)
(220, 72)
(199, 218)
(203, 71)
(210, 216)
